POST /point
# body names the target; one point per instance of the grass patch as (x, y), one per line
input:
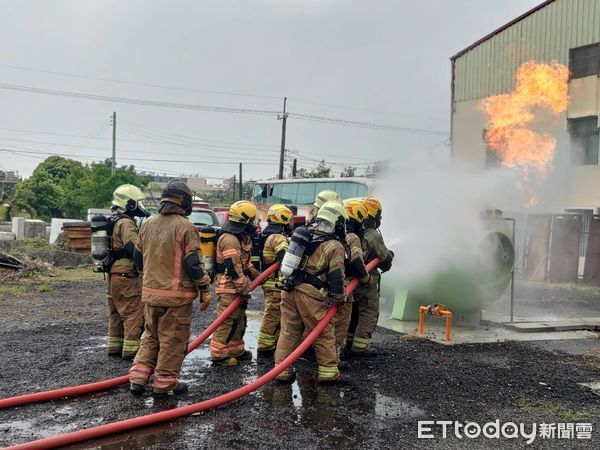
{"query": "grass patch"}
(45, 287)
(15, 291)
(78, 274)
(35, 242)
(550, 408)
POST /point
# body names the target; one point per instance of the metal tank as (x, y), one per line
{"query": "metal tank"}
(464, 289)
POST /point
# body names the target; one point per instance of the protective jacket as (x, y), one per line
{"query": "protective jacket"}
(234, 265)
(355, 266)
(374, 247)
(124, 239)
(274, 248)
(326, 265)
(172, 266)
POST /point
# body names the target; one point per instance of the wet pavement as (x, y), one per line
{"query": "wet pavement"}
(377, 404)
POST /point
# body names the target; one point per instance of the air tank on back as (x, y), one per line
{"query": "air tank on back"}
(464, 288)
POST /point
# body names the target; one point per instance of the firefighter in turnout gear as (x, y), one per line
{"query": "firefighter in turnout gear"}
(322, 197)
(275, 237)
(234, 272)
(169, 253)
(316, 283)
(366, 296)
(355, 267)
(124, 285)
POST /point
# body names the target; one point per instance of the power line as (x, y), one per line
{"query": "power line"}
(209, 108)
(108, 149)
(137, 83)
(38, 152)
(20, 130)
(374, 126)
(134, 101)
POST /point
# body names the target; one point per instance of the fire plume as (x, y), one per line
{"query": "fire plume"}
(538, 87)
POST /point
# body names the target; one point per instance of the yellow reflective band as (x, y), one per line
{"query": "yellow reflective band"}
(132, 345)
(282, 246)
(266, 339)
(271, 284)
(360, 342)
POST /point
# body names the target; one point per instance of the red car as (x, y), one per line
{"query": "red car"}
(202, 217)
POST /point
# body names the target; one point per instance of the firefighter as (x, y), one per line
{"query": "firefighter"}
(355, 267)
(124, 285)
(322, 197)
(275, 237)
(234, 272)
(316, 283)
(365, 312)
(169, 253)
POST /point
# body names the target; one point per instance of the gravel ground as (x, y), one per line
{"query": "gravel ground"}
(52, 335)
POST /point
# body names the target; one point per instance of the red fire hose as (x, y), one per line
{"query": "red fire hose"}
(113, 382)
(175, 413)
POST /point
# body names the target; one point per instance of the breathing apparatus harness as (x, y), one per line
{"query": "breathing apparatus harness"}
(102, 233)
(293, 266)
(209, 236)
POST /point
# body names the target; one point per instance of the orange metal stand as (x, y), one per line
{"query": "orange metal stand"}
(437, 311)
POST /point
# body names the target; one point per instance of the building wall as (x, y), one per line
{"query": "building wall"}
(545, 35)
(489, 69)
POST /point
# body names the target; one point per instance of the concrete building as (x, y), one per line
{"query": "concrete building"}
(566, 31)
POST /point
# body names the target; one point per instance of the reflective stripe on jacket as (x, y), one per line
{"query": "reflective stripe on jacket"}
(165, 240)
(239, 252)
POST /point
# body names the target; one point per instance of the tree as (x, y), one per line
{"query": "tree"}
(42, 191)
(94, 185)
(60, 187)
(321, 171)
(348, 172)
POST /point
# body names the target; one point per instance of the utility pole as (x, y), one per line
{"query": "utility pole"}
(233, 190)
(241, 183)
(294, 167)
(283, 124)
(114, 148)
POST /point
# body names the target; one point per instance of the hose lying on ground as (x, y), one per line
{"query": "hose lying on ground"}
(113, 382)
(175, 413)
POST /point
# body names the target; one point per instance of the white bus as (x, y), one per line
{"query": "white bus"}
(301, 192)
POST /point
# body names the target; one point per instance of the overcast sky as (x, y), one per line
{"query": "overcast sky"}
(384, 62)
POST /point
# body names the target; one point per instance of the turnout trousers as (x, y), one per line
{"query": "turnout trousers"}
(299, 313)
(164, 345)
(270, 325)
(228, 340)
(125, 314)
(365, 313)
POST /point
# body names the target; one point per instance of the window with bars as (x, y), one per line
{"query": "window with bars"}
(585, 142)
(584, 61)
(586, 223)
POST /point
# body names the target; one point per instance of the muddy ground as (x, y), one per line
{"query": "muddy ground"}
(52, 334)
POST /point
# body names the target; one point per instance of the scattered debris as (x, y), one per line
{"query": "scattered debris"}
(12, 268)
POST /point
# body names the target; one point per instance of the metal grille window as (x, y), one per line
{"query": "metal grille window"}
(586, 223)
(585, 141)
(584, 61)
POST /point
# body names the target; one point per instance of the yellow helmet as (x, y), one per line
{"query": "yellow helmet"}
(356, 210)
(331, 211)
(242, 211)
(127, 196)
(373, 205)
(279, 214)
(326, 196)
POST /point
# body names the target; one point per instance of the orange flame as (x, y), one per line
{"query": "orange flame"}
(510, 116)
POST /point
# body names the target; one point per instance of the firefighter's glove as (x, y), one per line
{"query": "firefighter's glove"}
(366, 280)
(244, 301)
(335, 301)
(205, 299)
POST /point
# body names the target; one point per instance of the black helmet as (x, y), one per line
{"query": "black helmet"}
(179, 193)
